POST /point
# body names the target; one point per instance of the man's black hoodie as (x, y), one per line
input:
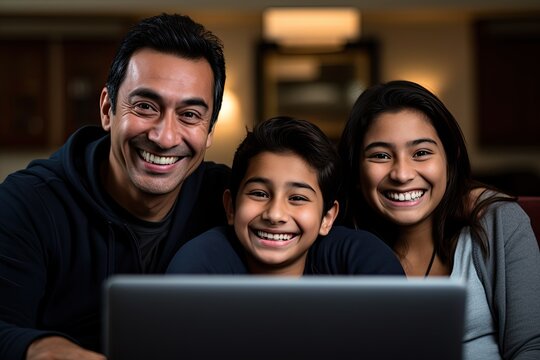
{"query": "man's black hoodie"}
(59, 240)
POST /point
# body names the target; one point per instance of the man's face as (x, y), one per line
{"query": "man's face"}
(160, 130)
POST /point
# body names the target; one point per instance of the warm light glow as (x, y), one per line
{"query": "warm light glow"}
(229, 108)
(229, 130)
(432, 81)
(300, 69)
(311, 26)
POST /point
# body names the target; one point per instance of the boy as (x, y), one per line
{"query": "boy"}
(281, 204)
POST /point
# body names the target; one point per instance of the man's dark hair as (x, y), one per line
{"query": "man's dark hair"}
(284, 135)
(170, 34)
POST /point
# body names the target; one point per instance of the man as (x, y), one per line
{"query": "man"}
(121, 199)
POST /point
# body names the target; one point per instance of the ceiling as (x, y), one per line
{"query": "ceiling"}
(126, 7)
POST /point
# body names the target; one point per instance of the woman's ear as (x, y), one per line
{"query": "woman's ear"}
(105, 108)
(229, 206)
(328, 219)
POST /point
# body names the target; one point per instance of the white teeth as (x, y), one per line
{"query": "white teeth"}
(275, 237)
(160, 160)
(408, 196)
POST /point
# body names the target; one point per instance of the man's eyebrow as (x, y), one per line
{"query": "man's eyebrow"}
(146, 93)
(196, 102)
(294, 184)
(153, 95)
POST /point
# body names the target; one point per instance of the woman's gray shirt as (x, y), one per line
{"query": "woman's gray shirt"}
(510, 275)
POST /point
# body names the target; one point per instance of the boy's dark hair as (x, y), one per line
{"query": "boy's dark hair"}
(284, 134)
(171, 34)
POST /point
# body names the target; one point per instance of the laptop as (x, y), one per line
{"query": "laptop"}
(257, 317)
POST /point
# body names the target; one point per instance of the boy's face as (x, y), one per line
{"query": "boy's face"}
(279, 213)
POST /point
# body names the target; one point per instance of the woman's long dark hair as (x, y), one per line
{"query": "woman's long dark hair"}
(454, 211)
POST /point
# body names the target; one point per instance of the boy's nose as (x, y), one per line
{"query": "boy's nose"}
(275, 212)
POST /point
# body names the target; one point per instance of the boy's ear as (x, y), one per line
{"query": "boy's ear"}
(105, 109)
(229, 206)
(328, 219)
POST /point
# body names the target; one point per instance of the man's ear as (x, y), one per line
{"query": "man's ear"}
(210, 138)
(105, 108)
(229, 206)
(328, 219)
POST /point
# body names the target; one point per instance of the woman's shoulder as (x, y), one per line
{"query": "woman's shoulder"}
(503, 218)
(486, 201)
(495, 202)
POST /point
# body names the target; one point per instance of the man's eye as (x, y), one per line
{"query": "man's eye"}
(144, 108)
(190, 117)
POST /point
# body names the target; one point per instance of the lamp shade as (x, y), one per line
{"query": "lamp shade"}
(311, 26)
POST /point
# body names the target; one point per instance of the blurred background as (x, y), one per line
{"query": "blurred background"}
(306, 59)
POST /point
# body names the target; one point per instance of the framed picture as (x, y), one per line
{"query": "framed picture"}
(507, 58)
(23, 93)
(318, 85)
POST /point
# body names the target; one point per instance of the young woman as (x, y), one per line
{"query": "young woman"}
(410, 183)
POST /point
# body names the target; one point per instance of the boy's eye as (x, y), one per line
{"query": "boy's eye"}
(257, 194)
(298, 198)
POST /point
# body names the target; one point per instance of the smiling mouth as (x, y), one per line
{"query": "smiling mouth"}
(274, 237)
(158, 160)
(404, 196)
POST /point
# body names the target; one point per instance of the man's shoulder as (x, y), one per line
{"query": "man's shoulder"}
(215, 174)
(213, 168)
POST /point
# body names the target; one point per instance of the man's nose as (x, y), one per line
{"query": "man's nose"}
(166, 132)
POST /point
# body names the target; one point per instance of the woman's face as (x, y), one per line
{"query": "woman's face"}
(403, 171)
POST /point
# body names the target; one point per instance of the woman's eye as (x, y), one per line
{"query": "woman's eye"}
(421, 153)
(379, 156)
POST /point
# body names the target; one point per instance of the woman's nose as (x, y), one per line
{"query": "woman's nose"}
(402, 171)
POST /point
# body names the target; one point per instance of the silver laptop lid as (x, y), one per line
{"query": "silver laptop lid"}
(255, 317)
